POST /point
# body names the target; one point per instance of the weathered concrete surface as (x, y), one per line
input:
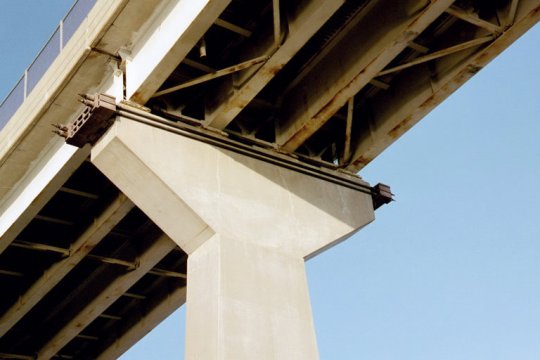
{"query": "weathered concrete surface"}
(250, 227)
(247, 301)
(224, 189)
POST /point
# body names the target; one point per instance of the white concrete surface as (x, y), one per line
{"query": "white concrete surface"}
(247, 301)
(169, 36)
(251, 225)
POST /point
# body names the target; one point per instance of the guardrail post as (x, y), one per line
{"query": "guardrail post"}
(61, 30)
(25, 83)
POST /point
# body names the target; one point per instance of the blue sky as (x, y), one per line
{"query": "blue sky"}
(451, 270)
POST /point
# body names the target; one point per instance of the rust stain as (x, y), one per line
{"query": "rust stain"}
(340, 98)
(314, 123)
(86, 248)
(297, 139)
(361, 161)
(347, 137)
(137, 97)
(469, 70)
(94, 54)
(400, 128)
(326, 112)
(473, 68)
(310, 127)
(271, 70)
(408, 122)
(433, 100)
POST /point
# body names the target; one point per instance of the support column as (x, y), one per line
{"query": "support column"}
(250, 227)
(247, 301)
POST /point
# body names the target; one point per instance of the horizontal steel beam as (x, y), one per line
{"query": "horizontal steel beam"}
(381, 34)
(301, 26)
(213, 75)
(422, 88)
(104, 259)
(116, 211)
(176, 29)
(473, 19)
(438, 54)
(145, 324)
(162, 246)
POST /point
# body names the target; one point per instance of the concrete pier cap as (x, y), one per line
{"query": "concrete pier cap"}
(247, 226)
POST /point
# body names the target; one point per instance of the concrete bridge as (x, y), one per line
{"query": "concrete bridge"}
(229, 131)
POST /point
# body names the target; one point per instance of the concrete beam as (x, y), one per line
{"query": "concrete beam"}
(176, 27)
(418, 91)
(38, 187)
(114, 213)
(250, 226)
(151, 256)
(215, 190)
(377, 39)
(301, 27)
(76, 69)
(121, 165)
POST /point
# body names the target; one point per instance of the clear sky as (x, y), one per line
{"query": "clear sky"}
(451, 270)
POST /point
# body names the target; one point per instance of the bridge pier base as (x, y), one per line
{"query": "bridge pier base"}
(247, 226)
(247, 301)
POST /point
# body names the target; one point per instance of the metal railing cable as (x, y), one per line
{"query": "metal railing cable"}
(50, 51)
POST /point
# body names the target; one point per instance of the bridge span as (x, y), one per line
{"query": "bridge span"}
(216, 143)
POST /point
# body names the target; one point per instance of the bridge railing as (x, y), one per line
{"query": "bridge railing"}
(65, 30)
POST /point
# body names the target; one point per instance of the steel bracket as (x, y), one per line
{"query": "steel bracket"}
(96, 118)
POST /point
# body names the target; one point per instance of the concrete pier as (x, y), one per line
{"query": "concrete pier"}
(247, 226)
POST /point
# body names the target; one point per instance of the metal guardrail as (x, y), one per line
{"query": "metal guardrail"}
(65, 30)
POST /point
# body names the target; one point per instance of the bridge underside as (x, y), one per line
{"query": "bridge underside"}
(321, 86)
(334, 82)
(90, 268)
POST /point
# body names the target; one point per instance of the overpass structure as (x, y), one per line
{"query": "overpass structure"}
(208, 148)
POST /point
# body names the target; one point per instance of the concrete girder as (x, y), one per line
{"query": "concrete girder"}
(148, 259)
(301, 27)
(169, 37)
(251, 227)
(355, 61)
(422, 88)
